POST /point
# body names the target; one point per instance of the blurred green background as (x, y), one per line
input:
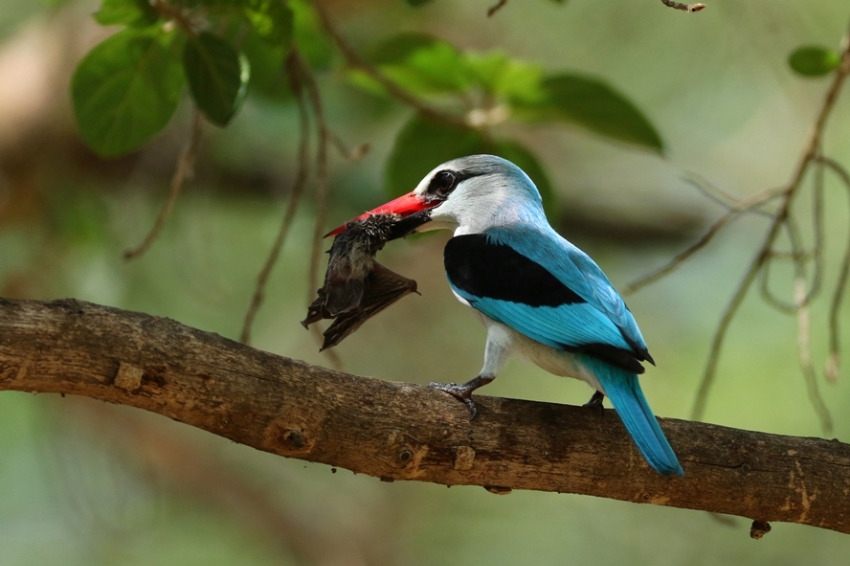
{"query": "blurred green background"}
(83, 483)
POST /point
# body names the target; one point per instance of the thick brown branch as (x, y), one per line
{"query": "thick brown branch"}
(405, 432)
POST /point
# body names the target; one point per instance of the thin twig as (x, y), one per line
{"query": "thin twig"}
(321, 183)
(491, 11)
(832, 364)
(681, 257)
(351, 154)
(748, 205)
(301, 176)
(803, 295)
(804, 353)
(818, 235)
(712, 193)
(354, 59)
(183, 171)
(321, 178)
(710, 371)
(683, 7)
(810, 155)
(798, 258)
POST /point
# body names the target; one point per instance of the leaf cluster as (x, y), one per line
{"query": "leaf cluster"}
(478, 91)
(127, 88)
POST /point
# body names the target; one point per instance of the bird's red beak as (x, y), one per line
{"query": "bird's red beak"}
(405, 205)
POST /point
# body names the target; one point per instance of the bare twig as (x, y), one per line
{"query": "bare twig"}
(351, 154)
(301, 176)
(798, 257)
(183, 171)
(832, 363)
(804, 353)
(354, 59)
(748, 205)
(711, 192)
(491, 11)
(321, 177)
(803, 294)
(683, 7)
(309, 100)
(325, 137)
(811, 154)
(717, 343)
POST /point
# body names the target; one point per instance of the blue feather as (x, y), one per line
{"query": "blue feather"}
(624, 391)
(604, 318)
(595, 316)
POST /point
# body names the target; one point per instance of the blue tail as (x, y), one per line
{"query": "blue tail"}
(623, 389)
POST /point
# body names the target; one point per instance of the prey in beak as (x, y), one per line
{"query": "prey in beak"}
(409, 212)
(356, 286)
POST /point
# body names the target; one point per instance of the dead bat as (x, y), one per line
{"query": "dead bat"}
(356, 286)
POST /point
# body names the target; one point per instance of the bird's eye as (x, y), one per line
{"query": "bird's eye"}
(443, 183)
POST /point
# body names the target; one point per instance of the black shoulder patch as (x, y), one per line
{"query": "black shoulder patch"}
(498, 271)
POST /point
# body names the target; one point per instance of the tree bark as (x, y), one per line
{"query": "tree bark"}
(399, 431)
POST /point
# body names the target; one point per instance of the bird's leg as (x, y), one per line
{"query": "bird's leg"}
(495, 354)
(595, 400)
(464, 391)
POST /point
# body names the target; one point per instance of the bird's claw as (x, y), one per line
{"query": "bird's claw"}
(595, 401)
(461, 392)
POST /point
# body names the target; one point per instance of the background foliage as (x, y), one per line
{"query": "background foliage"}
(611, 107)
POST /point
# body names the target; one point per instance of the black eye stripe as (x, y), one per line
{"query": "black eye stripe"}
(442, 183)
(445, 181)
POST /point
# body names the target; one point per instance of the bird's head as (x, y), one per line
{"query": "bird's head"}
(468, 194)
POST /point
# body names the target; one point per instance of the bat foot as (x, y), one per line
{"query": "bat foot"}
(463, 392)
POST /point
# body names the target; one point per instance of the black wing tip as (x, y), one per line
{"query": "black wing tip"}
(628, 360)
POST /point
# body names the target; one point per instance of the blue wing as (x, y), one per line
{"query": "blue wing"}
(544, 287)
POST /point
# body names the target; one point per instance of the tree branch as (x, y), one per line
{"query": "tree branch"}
(398, 431)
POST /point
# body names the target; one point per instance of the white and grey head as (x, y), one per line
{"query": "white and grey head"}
(475, 192)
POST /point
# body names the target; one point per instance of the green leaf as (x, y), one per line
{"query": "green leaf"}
(267, 44)
(422, 64)
(499, 75)
(126, 89)
(594, 105)
(218, 76)
(423, 144)
(271, 19)
(309, 35)
(134, 13)
(268, 73)
(813, 61)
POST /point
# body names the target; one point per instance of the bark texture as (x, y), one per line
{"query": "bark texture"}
(398, 431)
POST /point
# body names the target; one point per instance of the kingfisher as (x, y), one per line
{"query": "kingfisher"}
(540, 297)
